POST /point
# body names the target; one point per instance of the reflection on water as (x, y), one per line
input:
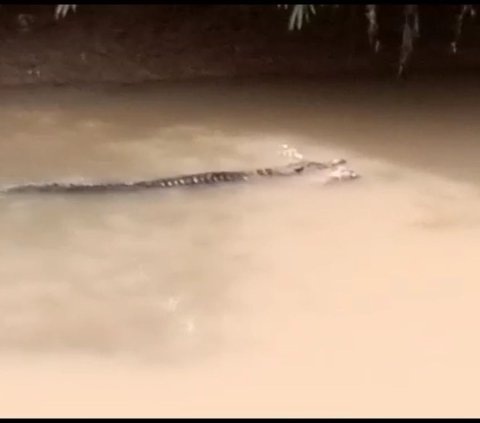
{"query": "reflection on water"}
(283, 298)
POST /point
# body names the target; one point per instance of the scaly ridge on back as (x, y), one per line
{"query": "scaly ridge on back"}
(336, 172)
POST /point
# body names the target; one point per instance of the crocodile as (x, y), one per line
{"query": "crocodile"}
(332, 171)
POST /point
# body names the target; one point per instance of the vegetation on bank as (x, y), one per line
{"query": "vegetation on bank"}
(301, 14)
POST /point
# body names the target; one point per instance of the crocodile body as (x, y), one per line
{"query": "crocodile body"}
(329, 172)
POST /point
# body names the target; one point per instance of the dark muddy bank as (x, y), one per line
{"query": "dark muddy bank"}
(131, 44)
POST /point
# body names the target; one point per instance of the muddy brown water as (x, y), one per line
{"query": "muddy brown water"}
(276, 299)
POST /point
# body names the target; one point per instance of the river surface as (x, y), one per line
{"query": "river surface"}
(283, 298)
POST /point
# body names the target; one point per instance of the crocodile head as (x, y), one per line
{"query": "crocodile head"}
(333, 171)
(340, 173)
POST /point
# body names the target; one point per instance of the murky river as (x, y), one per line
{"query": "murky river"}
(275, 299)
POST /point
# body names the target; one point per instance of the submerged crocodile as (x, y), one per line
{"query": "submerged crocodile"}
(328, 172)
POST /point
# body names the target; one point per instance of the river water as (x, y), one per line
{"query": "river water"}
(278, 299)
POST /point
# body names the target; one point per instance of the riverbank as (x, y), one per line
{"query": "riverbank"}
(125, 44)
